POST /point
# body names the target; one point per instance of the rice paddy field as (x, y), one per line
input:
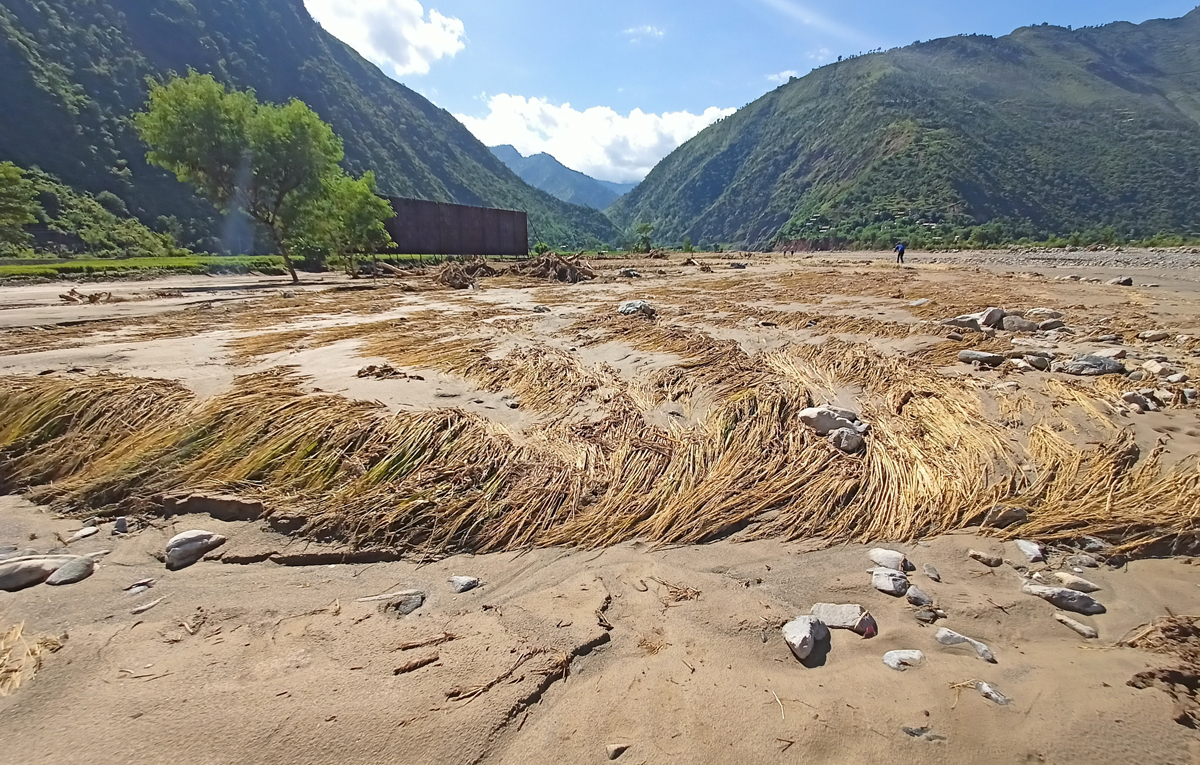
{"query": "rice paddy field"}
(525, 412)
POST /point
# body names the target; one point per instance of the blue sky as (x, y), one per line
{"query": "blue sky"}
(610, 87)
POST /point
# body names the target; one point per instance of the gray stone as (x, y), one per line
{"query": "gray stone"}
(889, 581)
(1001, 517)
(1178, 379)
(1045, 314)
(1090, 366)
(951, 638)
(902, 660)
(1067, 600)
(185, 549)
(403, 604)
(1153, 336)
(1159, 369)
(630, 273)
(826, 419)
(75, 571)
(616, 750)
(19, 573)
(1052, 324)
(920, 303)
(1031, 550)
(1111, 353)
(1191, 394)
(1087, 632)
(803, 634)
(462, 584)
(84, 533)
(1137, 376)
(893, 559)
(849, 616)
(1077, 583)
(954, 336)
(992, 317)
(1018, 324)
(980, 357)
(991, 561)
(121, 525)
(541, 309)
(989, 692)
(634, 307)
(1082, 561)
(1109, 339)
(932, 572)
(1121, 281)
(964, 322)
(1039, 363)
(918, 598)
(847, 440)
(1142, 402)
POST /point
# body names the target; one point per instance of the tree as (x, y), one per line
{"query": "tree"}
(344, 221)
(18, 207)
(687, 244)
(271, 161)
(643, 231)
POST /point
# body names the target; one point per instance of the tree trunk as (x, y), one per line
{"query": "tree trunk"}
(283, 250)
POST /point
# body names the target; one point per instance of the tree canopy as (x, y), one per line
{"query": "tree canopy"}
(18, 207)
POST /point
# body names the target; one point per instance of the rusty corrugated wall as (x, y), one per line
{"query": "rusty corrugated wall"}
(435, 228)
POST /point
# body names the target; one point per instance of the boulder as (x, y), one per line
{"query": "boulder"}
(902, 660)
(1067, 600)
(970, 322)
(1018, 324)
(850, 616)
(1090, 366)
(635, 307)
(185, 549)
(803, 634)
(889, 581)
(981, 357)
(992, 317)
(826, 419)
(19, 573)
(75, 571)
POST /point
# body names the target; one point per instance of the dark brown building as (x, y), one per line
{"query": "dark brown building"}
(436, 228)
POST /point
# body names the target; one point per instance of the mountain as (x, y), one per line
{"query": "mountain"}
(544, 172)
(74, 70)
(1046, 131)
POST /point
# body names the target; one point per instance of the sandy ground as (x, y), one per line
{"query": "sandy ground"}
(262, 653)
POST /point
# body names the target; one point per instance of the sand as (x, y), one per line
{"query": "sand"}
(262, 654)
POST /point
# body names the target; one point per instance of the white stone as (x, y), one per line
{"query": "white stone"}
(892, 559)
(826, 419)
(803, 634)
(950, 638)
(1067, 600)
(1077, 583)
(1031, 550)
(902, 660)
(889, 581)
(190, 546)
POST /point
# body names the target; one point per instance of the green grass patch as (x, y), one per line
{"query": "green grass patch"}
(183, 265)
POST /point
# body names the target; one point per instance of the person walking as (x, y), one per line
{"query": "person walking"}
(900, 248)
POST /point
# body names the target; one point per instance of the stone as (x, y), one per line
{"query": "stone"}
(980, 357)
(634, 307)
(1067, 600)
(991, 561)
(1153, 336)
(1178, 379)
(892, 559)
(931, 572)
(1001, 517)
(927, 615)
(1141, 401)
(185, 549)
(1112, 353)
(1045, 314)
(951, 638)
(1108, 339)
(964, 322)
(84, 533)
(918, 598)
(1137, 376)
(1038, 363)
(889, 581)
(1159, 369)
(403, 603)
(920, 303)
(803, 634)
(75, 571)
(992, 317)
(630, 273)
(847, 440)
(462, 584)
(826, 419)
(1077, 583)
(541, 309)
(1087, 632)
(1082, 561)
(1031, 550)
(1121, 281)
(990, 693)
(955, 337)
(121, 525)
(19, 573)
(1090, 366)
(1052, 324)
(1018, 324)
(616, 750)
(1191, 394)
(902, 660)
(850, 616)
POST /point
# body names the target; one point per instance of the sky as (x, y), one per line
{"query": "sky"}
(610, 87)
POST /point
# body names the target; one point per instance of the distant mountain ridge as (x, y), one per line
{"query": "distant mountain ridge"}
(73, 72)
(1046, 131)
(544, 172)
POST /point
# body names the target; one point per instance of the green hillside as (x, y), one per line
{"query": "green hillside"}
(74, 70)
(1046, 131)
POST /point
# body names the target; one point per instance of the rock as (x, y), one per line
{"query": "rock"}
(1079, 627)
(19, 573)
(1038, 363)
(1121, 281)
(929, 615)
(1178, 379)
(980, 357)
(630, 273)
(75, 571)
(121, 525)
(964, 322)
(992, 317)
(920, 303)
(185, 549)
(1017, 324)
(14, 553)
(1191, 394)
(826, 419)
(850, 616)
(1090, 366)
(902, 660)
(1112, 353)
(931, 572)
(1001, 517)
(1045, 314)
(541, 309)
(1159, 369)
(462, 584)
(991, 561)
(1077, 583)
(847, 440)
(925, 734)
(917, 597)
(1031, 550)
(950, 638)
(1137, 376)
(954, 336)
(1067, 600)
(1082, 561)
(892, 559)
(84, 533)
(223, 507)
(616, 750)
(1109, 339)
(889, 581)
(990, 693)
(1052, 324)
(1140, 401)
(634, 307)
(1153, 336)
(803, 634)
(403, 603)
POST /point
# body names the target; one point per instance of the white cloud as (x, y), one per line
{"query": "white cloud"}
(599, 141)
(637, 34)
(393, 34)
(784, 76)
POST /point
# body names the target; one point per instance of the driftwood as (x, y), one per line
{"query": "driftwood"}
(555, 267)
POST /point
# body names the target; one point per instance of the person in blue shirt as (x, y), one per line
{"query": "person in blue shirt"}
(900, 248)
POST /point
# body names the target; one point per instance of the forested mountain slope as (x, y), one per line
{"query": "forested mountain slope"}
(74, 70)
(1046, 131)
(544, 172)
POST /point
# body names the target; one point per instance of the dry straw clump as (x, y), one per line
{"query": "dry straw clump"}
(21, 658)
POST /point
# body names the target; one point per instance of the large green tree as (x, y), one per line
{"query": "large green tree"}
(345, 221)
(18, 207)
(276, 162)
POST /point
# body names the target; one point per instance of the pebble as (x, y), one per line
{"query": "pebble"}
(917, 597)
(462, 584)
(121, 525)
(1079, 627)
(1077, 583)
(892, 559)
(1067, 600)
(75, 571)
(1031, 550)
(404, 604)
(950, 638)
(1178, 379)
(803, 634)
(931, 572)
(616, 750)
(902, 660)
(889, 581)
(991, 561)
